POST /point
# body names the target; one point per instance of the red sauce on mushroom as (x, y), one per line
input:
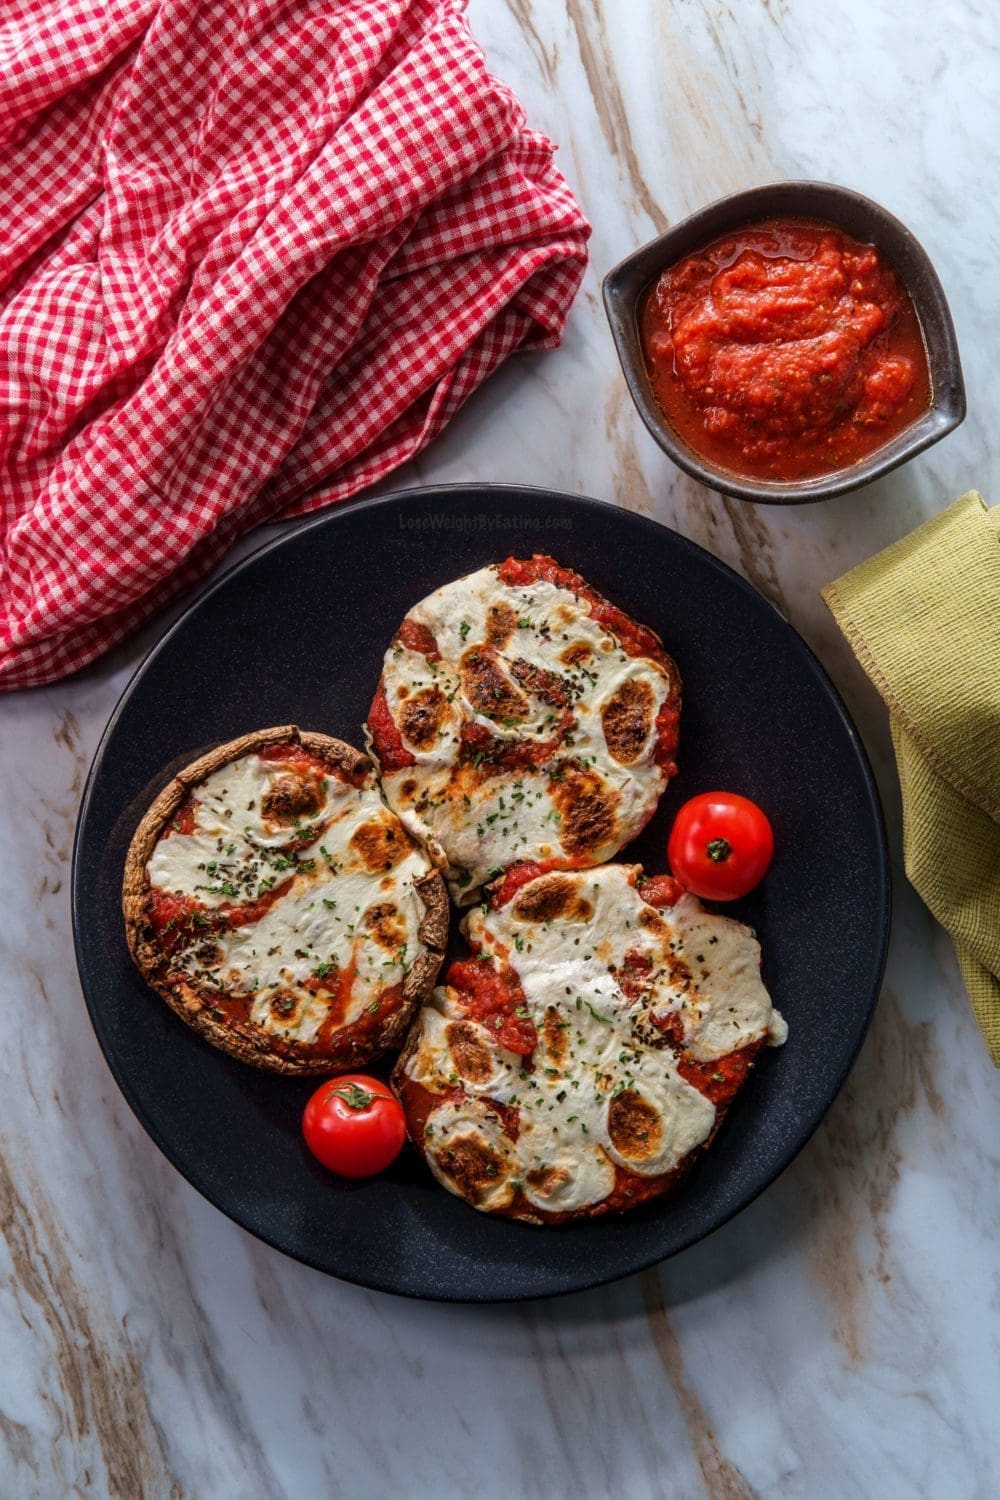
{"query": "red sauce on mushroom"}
(417, 637)
(386, 738)
(517, 876)
(784, 350)
(493, 996)
(721, 1079)
(661, 891)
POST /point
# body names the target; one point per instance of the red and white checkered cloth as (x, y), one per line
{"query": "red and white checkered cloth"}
(250, 247)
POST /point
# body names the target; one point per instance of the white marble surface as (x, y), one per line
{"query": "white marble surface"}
(840, 1338)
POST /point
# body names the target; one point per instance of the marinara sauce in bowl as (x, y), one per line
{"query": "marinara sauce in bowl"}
(788, 343)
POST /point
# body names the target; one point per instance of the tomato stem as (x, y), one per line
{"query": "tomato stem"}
(353, 1095)
(718, 850)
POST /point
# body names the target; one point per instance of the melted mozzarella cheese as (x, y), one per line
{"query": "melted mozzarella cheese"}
(728, 1006)
(467, 1149)
(232, 840)
(471, 1057)
(476, 823)
(321, 926)
(603, 1086)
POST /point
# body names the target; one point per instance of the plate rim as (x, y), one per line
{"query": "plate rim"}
(328, 516)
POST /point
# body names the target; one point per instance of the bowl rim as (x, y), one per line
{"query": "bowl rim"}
(624, 286)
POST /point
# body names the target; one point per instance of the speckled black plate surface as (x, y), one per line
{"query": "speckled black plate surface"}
(296, 634)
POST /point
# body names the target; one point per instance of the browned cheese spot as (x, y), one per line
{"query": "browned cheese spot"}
(540, 682)
(550, 897)
(380, 845)
(501, 622)
(470, 1053)
(587, 805)
(470, 1164)
(576, 653)
(408, 790)
(547, 1181)
(386, 924)
(421, 717)
(556, 1036)
(634, 1126)
(291, 798)
(628, 719)
(283, 1007)
(209, 955)
(489, 690)
(650, 918)
(681, 977)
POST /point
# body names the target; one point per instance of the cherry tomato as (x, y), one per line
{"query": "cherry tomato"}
(354, 1125)
(720, 845)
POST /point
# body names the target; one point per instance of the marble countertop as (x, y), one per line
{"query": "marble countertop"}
(838, 1339)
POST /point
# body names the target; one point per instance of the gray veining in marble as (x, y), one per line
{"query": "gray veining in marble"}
(840, 1340)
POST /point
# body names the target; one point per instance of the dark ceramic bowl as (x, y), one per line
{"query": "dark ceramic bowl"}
(626, 285)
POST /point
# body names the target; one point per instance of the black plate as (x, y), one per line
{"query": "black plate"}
(296, 634)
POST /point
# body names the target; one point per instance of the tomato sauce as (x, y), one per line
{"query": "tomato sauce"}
(661, 891)
(386, 738)
(517, 876)
(335, 989)
(494, 997)
(667, 736)
(635, 973)
(721, 1079)
(304, 763)
(184, 819)
(785, 350)
(174, 917)
(297, 758)
(417, 637)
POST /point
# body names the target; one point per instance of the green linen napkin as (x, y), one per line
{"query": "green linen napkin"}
(923, 619)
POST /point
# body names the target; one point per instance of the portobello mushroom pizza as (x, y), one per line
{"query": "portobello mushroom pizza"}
(520, 717)
(575, 1064)
(280, 908)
